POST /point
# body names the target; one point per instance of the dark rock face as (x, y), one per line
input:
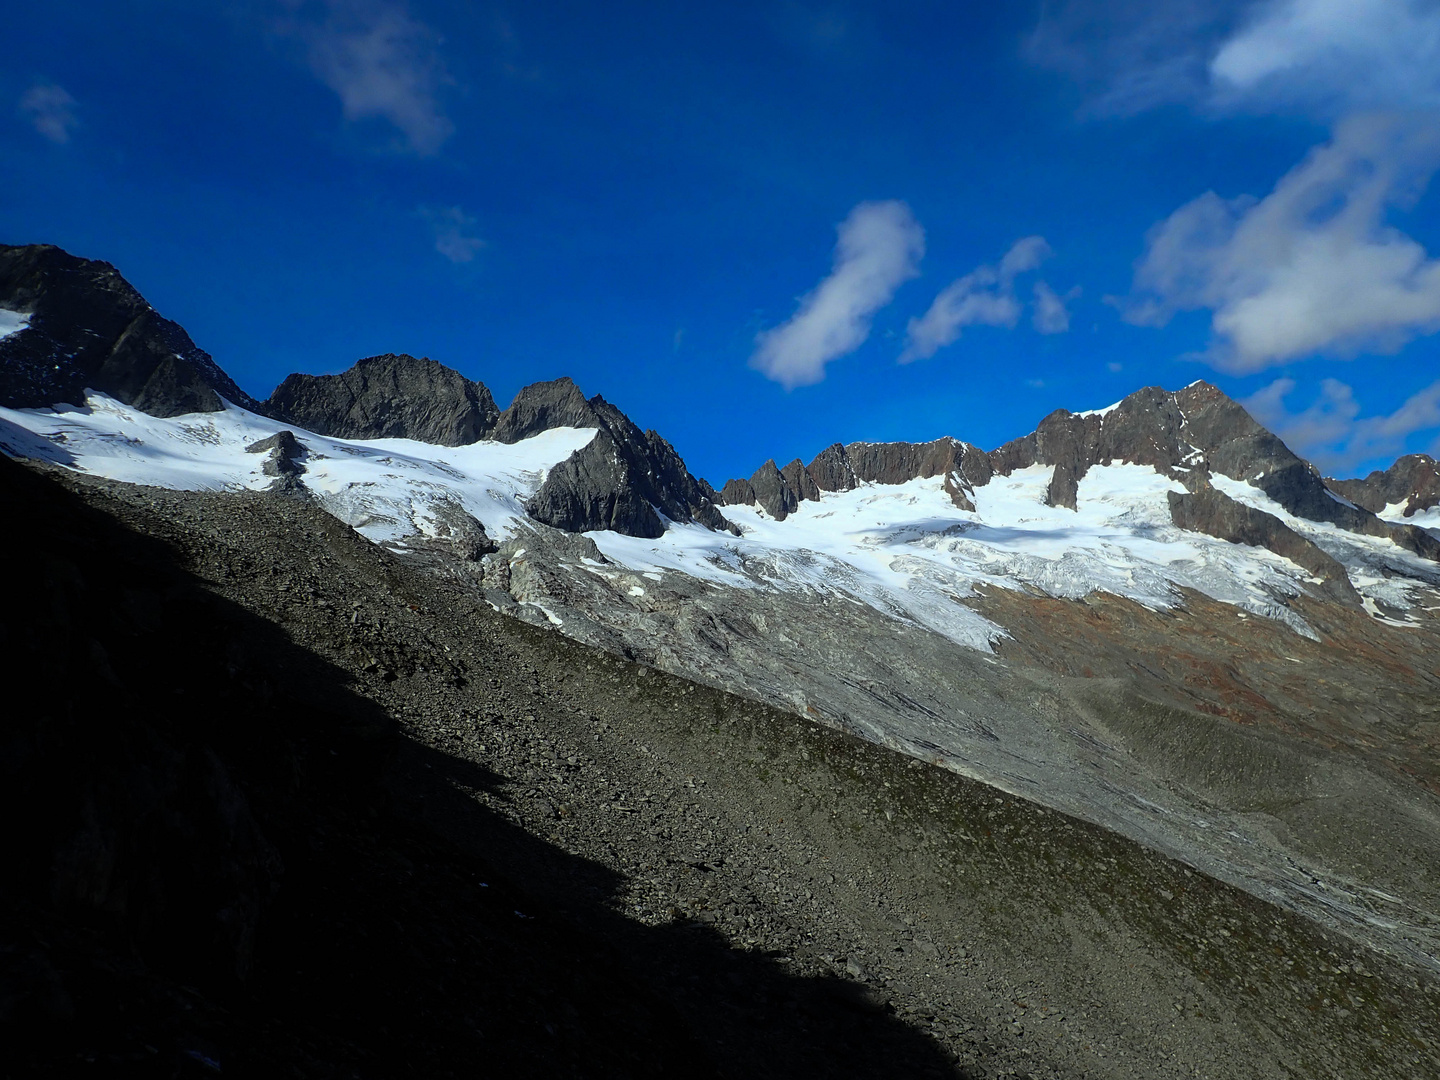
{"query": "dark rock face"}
(595, 488)
(963, 466)
(737, 493)
(542, 406)
(832, 471)
(623, 480)
(1216, 514)
(1197, 430)
(772, 492)
(283, 461)
(389, 397)
(90, 328)
(800, 481)
(1414, 480)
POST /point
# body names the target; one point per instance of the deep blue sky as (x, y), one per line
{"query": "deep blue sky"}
(631, 194)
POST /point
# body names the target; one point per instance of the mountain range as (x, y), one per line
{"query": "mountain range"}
(1154, 618)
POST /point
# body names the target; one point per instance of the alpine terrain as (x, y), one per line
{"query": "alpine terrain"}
(372, 730)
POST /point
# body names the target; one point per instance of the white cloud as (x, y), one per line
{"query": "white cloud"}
(50, 110)
(983, 297)
(1051, 315)
(1323, 57)
(880, 246)
(384, 65)
(1331, 432)
(454, 233)
(1333, 55)
(1312, 267)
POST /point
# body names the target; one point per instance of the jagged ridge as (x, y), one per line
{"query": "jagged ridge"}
(89, 328)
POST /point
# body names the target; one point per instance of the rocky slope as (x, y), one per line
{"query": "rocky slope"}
(1153, 618)
(85, 326)
(411, 834)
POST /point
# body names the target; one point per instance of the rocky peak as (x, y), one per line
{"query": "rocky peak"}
(89, 327)
(799, 480)
(1413, 482)
(542, 406)
(832, 471)
(1191, 434)
(393, 396)
(623, 480)
(964, 467)
(772, 493)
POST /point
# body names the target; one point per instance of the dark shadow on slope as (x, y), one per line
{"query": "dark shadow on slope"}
(222, 857)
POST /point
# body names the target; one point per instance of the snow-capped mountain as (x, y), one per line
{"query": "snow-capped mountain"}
(1154, 616)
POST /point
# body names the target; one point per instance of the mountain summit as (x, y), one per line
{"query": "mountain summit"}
(85, 326)
(1154, 616)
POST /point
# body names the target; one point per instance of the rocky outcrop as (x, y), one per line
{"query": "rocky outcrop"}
(832, 471)
(964, 467)
(623, 480)
(283, 453)
(737, 492)
(89, 328)
(1214, 513)
(1197, 430)
(1412, 482)
(542, 406)
(799, 480)
(772, 493)
(388, 397)
(458, 532)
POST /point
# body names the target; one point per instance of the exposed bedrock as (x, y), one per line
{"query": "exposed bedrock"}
(393, 396)
(799, 480)
(772, 492)
(737, 492)
(542, 406)
(88, 327)
(283, 453)
(624, 479)
(1414, 481)
(1216, 514)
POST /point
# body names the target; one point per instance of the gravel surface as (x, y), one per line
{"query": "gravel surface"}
(573, 864)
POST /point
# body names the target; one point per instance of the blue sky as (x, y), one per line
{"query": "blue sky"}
(763, 228)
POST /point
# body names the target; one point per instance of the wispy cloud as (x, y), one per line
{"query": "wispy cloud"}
(1332, 56)
(384, 65)
(455, 235)
(1131, 55)
(1051, 315)
(986, 297)
(880, 246)
(1323, 57)
(1330, 430)
(50, 110)
(1312, 267)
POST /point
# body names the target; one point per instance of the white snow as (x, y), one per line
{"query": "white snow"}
(1100, 412)
(386, 488)
(1370, 561)
(12, 322)
(1428, 518)
(903, 549)
(906, 550)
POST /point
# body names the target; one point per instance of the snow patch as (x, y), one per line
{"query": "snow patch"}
(12, 322)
